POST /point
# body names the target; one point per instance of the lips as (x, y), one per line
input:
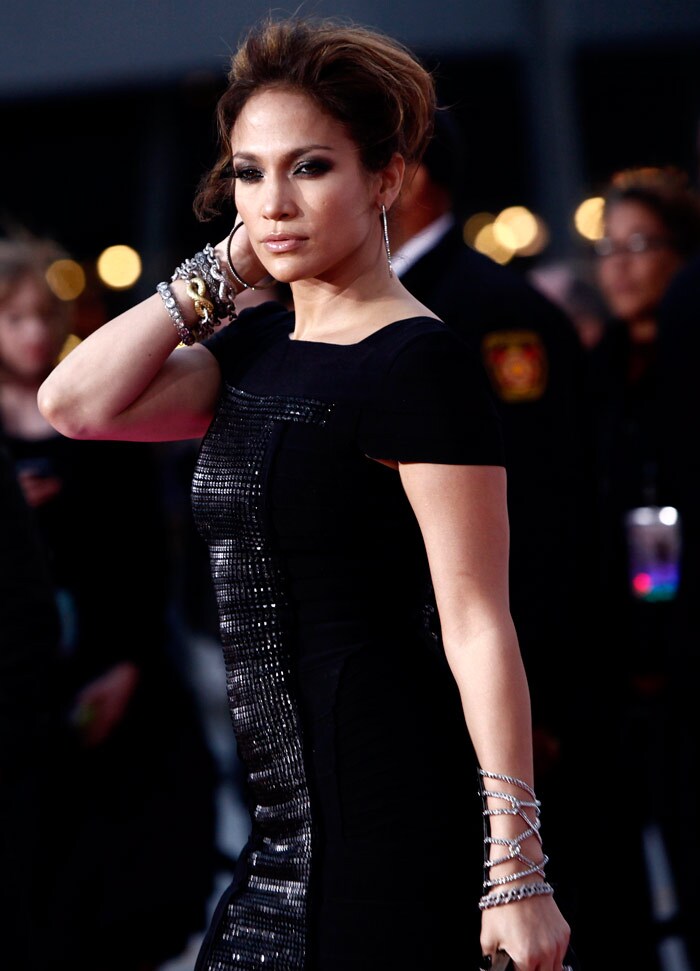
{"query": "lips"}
(283, 242)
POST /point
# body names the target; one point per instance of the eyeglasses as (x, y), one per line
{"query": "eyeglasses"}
(636, 243)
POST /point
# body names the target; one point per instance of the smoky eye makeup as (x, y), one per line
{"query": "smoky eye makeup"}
(246, 173)
(312, 167)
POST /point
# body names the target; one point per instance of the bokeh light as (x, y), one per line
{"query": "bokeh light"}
(119, 267)
(66, 278)
(474, 225)
(69, 344)
(487, 242)
(515, 227)
(588, 218)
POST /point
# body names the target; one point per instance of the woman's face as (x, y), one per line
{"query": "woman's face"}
(31, 331)
(310, 207)
(634, 275)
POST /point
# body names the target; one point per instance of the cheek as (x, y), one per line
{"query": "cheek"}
(664, 271)
(608, 275)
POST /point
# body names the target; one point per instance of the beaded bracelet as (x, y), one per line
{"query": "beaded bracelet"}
(186, 334)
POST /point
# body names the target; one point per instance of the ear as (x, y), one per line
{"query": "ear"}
(390, 181)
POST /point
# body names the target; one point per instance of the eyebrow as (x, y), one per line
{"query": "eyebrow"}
(293, 153)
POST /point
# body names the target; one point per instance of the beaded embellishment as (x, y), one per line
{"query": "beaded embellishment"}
(264, 922)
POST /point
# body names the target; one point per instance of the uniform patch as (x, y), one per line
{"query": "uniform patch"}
(516, 362)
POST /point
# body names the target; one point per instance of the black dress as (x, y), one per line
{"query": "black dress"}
(365, 844)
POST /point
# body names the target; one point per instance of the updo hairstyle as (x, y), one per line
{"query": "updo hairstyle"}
(369, 82)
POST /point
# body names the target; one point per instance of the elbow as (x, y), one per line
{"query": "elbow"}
(65, 417)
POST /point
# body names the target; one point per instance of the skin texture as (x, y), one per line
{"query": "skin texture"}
(633, 284)
(312, 219)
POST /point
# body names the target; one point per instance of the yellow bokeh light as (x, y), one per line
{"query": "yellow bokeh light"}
(474, 225)
(119, 267)
(69, 344)
(588, 218)
(539, 241)
(515, 228)
(66, 279)
(486, 242)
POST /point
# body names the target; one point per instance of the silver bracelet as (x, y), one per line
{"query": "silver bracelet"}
(207, 267)
(186, 334)
(516, 807)
(485, 774)
(501, 897)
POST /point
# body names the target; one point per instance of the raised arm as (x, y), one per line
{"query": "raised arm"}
(129, 380)
(463, 518)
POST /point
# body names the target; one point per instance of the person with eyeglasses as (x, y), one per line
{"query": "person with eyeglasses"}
(652, 226)
(651, 230)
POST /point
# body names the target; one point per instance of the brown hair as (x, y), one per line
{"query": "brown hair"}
(667, 192)
(369, 82)
(29, 258)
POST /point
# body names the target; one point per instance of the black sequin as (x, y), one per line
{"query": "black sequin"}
(263, 923)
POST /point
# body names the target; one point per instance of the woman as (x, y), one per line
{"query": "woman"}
(349, 456)
(117, 806)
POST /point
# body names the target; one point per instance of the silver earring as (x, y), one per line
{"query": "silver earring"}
(269, 280)
(385, 231)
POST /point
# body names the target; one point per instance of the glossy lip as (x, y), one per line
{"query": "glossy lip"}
(283, 242)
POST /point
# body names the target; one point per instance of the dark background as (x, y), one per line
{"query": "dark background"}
(552, 101)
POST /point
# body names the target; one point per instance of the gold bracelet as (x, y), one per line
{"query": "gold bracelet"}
(196, 290)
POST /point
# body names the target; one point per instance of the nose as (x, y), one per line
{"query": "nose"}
(278, 202)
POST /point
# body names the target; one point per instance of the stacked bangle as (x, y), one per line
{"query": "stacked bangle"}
(515, 806)
(210, 291)
(207, 270)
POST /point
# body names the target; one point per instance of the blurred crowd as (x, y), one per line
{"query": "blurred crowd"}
(109, 779)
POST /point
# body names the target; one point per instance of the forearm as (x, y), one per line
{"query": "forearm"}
(489, 672)
(111, 368)
(495, 698)
(130, 380)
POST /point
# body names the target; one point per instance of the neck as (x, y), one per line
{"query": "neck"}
(336, 304)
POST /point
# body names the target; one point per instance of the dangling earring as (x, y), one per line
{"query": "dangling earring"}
(385, 230)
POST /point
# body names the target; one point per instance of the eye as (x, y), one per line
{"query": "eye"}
(312, 167)
(248, 174)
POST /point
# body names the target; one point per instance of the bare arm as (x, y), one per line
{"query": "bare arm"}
(463, 518)
(129, 380)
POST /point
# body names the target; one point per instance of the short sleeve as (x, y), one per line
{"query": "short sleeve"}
(434, 405)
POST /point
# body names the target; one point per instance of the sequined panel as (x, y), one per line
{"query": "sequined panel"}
(264, 923)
